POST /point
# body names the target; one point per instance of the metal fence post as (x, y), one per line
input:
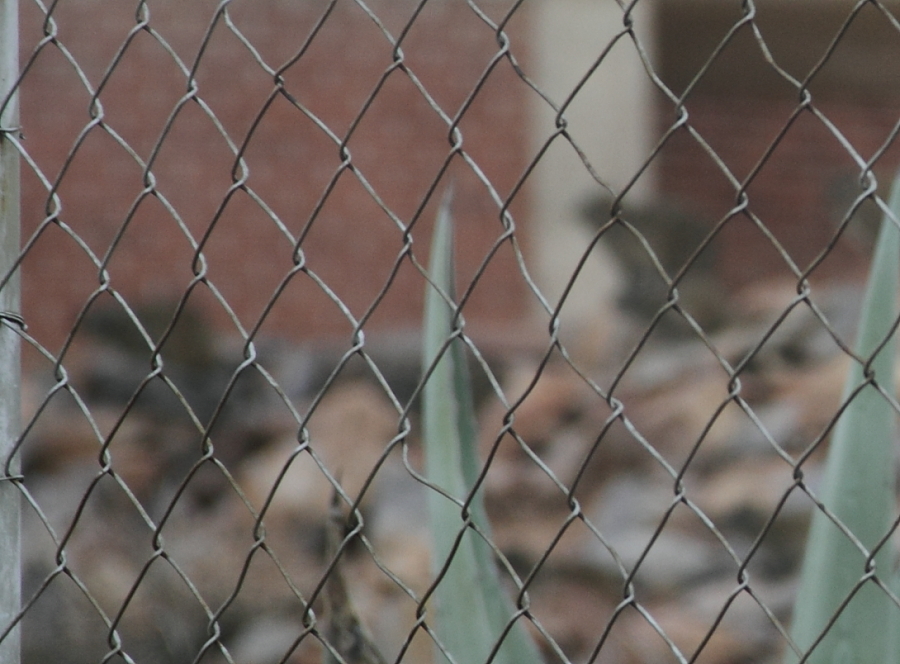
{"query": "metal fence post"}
(10, 577)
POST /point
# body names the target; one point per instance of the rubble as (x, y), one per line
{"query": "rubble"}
(658, 518)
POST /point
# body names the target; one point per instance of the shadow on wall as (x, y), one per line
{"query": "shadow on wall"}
(654, 244)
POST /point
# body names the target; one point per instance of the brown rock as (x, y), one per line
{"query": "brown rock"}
(349, 432)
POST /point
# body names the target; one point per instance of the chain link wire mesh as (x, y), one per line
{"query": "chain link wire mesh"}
(226, 210)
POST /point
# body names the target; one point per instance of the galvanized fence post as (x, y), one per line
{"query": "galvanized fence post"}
(10, 577)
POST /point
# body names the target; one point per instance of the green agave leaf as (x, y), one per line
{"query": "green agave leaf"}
(858, 487)
(472, 609)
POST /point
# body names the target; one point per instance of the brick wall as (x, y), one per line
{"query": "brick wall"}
(801, 193)
(741, 106)
(399, 146)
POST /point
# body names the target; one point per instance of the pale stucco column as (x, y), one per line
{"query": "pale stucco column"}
(610, 120)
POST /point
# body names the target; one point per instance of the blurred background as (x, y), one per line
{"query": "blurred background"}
(226, 209)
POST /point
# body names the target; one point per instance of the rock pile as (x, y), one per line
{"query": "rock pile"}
(644, 519)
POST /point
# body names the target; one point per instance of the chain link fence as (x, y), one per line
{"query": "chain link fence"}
(213, 453)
